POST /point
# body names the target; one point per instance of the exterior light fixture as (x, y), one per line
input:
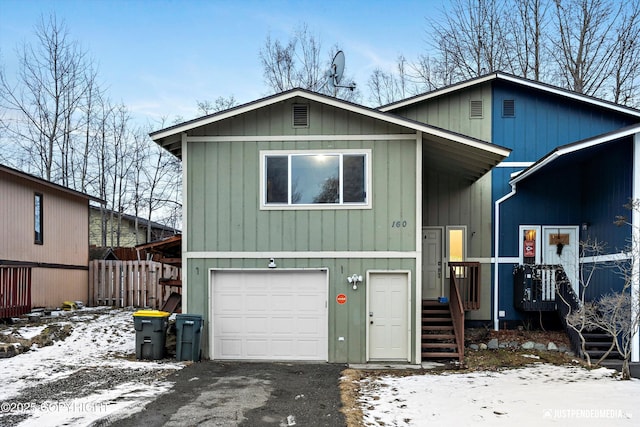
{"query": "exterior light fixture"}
(354, 279)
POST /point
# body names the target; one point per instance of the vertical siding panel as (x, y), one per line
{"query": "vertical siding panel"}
(236, 196)
(197, 197)
(222, 204)
(380, 171)
(251, 198)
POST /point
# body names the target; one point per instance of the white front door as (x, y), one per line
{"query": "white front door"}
(561, 246)
(388, 305)
(431, 263)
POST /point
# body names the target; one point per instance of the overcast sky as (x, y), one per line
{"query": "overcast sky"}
(159, 57)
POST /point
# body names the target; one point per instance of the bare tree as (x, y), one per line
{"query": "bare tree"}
(53, 77)
(405, 80)
(584, 47)
(298, 63)
(588, 46)
(580, 317)
(526, 31)
(162, 190)
(626, 58)
(471, 38)
(221, 103)
(616, 313)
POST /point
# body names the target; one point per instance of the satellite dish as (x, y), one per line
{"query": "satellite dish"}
(336, 71)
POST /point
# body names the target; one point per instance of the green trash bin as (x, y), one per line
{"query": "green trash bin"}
(151, 333)
(188, 331)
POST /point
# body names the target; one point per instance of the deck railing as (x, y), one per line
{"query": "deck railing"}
(15, 291)
(457, 311)
(567, 302)
(467, 277)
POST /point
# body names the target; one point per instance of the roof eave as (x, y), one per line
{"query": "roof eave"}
(517, 80)
(573, 147)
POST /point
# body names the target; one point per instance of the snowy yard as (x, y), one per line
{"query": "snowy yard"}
(92, 376)
(537, 395)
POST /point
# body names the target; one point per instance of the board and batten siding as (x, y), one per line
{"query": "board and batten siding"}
(452, 112)
(225, 212)
(545, 121)
(450, 200)
(224, 186)
(346, 321)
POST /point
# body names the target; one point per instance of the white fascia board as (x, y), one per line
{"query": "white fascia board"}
(520, 81)
(397, 120)
(438, 92)
(571, 148)
(223, 115)
(303, 254)
(569, 94)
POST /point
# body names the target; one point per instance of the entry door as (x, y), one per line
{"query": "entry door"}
(431, 263)
(388, 316)
(561, 246)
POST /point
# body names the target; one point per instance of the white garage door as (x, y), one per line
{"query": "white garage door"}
(269, 315)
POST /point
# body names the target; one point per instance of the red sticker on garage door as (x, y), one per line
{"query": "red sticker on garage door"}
(341, 299)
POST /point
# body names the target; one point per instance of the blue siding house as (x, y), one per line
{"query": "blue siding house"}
(571, 170)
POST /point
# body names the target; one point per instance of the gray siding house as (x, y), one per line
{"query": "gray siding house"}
(313, 226)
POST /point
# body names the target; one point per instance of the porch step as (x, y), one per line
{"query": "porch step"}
(439, 355)
(438, 338)
(435, 311)
(440, 345)
(435, 319)
(598, 343)
(437, 328)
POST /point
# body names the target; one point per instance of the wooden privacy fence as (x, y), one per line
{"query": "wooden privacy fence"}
(128, 283)
(15, 291)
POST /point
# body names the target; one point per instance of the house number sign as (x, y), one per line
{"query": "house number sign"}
(399, 224)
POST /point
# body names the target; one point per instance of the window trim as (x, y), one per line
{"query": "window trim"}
(538, 242)
(448, 229)
(318, 206)
(38, 218)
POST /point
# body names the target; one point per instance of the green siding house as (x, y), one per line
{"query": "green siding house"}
(309, 223)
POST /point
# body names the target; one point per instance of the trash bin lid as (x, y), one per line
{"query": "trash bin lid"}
(151, 313)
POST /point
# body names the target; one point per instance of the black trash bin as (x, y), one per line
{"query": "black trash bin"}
(151, 332)
(188, 331)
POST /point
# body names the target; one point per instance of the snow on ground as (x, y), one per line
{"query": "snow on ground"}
(90, 375)
(537, 395)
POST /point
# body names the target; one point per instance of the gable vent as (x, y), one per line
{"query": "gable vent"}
(300, 115)
(508, 108)
(476, 109)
